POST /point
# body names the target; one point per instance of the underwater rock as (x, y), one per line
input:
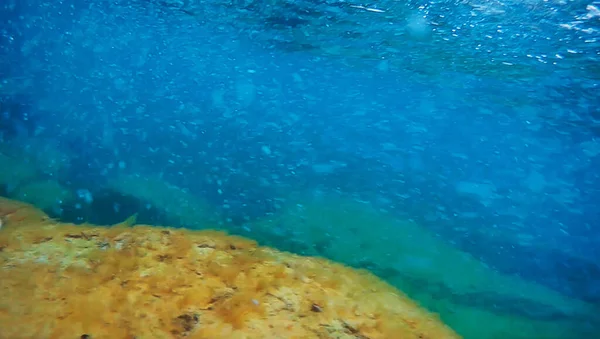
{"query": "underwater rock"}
(66, 281)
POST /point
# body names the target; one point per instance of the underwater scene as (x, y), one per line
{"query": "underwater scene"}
(300, 169)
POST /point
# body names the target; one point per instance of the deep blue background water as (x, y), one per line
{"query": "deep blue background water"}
(478, 157)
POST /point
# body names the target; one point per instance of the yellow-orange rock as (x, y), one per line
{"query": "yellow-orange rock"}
(81, 281)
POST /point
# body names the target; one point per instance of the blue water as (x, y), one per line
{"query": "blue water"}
(478, 120)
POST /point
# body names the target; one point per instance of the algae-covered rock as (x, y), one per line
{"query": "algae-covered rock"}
(67, 281)
(462, 289)
(180, 207)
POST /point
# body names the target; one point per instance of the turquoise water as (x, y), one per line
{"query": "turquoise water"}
(448, 147)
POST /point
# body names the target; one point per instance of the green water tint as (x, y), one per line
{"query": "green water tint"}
(30, 173)
(179, 206)
(14, 171)
(45, 194)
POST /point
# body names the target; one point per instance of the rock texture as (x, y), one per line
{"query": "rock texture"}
(83, 281)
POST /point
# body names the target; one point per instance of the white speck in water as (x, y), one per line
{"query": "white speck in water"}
(266, 150)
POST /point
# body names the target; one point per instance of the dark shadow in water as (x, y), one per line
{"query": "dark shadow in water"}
(109, 208)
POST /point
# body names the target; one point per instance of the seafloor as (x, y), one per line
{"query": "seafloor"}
(63, 280)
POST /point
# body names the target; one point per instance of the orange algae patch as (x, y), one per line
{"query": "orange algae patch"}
(66, 281)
